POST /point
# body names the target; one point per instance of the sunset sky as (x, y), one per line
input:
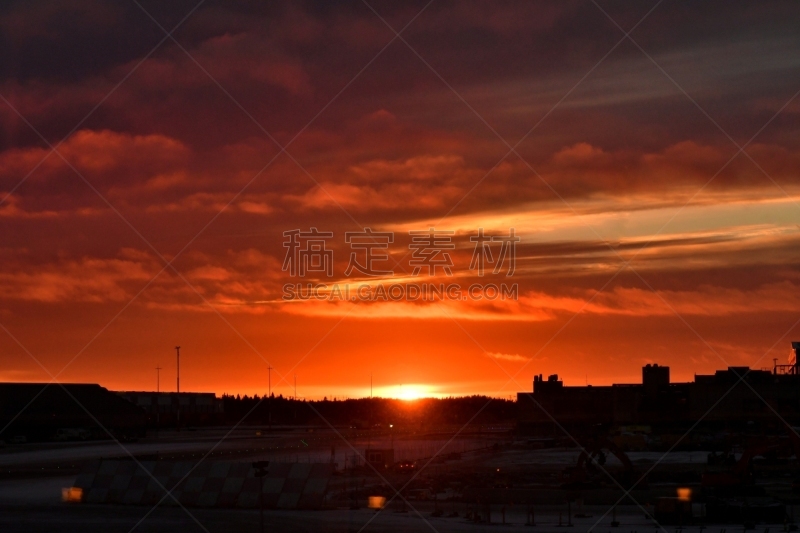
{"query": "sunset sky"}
(146, 182)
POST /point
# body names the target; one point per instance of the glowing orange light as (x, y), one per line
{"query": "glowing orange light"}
(684, 494)
(72, 494)
(376, 502)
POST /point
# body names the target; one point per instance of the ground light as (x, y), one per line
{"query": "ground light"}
(72, 494)
(376, 502)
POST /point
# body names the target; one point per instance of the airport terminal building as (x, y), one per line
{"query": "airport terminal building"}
(736, 399)
(66, 411)
(167, 407)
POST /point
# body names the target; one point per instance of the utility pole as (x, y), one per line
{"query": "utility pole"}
(371, 411)
(178, 418)
(158, 402)
(269, 396)
(295, 387)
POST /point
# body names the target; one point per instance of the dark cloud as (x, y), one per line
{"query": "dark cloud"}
(614, 165)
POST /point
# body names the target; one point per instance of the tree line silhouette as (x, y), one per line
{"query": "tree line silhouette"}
(368, 412)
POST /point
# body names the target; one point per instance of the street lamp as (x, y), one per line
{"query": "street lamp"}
(261, 468)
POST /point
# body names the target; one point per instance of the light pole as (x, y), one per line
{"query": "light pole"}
(178, 417)
(261, 468)
(158, 401)
(269, 397)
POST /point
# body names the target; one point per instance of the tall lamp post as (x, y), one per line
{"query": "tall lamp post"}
(261, 468)
(269, 398)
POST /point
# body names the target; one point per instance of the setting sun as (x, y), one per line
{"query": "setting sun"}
(334, 266)
(411, 392)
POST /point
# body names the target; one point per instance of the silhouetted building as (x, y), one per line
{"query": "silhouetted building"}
(162, 407)
(737, 399)
(42, 411)
(654, 376)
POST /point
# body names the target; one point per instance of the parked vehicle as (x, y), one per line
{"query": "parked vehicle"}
(68, 434)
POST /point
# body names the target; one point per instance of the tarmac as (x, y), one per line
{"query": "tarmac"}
(96, 518)
(31, 479)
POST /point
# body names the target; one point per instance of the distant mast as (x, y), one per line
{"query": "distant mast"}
(793, 367)
(178, 387)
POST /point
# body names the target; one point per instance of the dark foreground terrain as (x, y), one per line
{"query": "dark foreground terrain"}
(91, 519)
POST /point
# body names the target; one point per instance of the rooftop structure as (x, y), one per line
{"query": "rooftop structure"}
(735, 398)
(45, 411)
(163, 407)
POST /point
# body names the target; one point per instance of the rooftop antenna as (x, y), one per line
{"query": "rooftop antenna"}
(178, 386)
(158, 390)
(178, 352)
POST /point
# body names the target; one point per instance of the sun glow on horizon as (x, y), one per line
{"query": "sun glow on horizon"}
(409, 392)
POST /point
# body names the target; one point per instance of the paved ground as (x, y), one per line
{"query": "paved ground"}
(91, 519)
(31, 503)
(45, 491)
(291, 445)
